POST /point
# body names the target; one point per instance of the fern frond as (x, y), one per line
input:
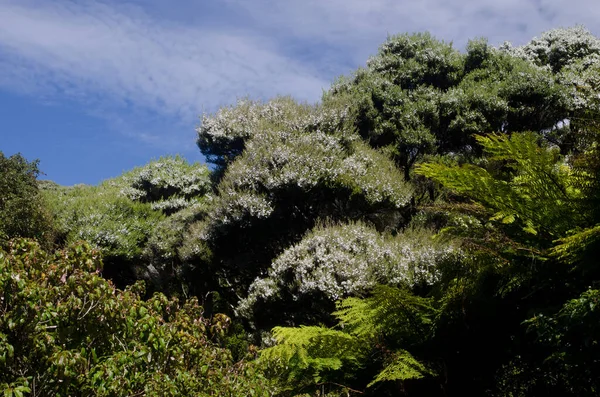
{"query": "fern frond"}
(403, 367)
(312, 352)
(389, 311)
(538, 191)
(574, 248)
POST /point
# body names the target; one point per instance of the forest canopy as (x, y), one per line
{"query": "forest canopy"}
(430, 227)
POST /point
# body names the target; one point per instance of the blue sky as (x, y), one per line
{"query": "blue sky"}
(94, 88)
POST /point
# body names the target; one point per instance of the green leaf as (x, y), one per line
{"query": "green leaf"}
(403, 367)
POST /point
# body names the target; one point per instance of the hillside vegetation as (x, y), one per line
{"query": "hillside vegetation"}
(430, 227)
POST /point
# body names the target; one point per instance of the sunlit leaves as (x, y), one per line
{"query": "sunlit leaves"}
(536, 190)
(64, 330)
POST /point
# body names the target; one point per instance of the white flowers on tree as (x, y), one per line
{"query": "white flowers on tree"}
(558, 48)
(288, 161)
(346, 260)
(169, 183)
(573, 54)
(222, 136)
(283, 167)
(304, 160)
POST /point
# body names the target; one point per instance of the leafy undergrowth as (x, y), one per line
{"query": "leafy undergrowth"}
(66, 331)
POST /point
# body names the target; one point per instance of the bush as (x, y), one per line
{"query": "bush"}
(336, 262)
(64, 330)
(23, 212)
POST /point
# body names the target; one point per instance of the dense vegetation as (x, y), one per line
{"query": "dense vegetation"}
(430, 227)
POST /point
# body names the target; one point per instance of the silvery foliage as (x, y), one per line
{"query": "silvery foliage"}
(222, 136)
(412, 60)
(103, 217)
(574, 55)
(558, 48)
(345, 260)
(582, 78)
(305, 160)
(300, 156)
(279, 161)
(169, 184)
(168, 235)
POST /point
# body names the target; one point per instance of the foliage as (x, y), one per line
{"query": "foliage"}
(23, 212)
(430, 228)
(335, 262)
(288, 177)
(169, 183)
(103, 217)
(160, 263)
(137, 220)
(223, 136)
(311, 353)
(418, 59)
(572, 334)
(573, 55)
(526, 182)
(419, 96)
(559, 48)
(66, 331)
(403, 366)
(305, 355)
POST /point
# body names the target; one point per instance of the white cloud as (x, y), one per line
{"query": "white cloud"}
(360, 26)
(112, 56)
(96, 51)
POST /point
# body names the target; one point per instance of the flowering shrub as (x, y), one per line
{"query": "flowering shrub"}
(222, 136)
(276, 162)
(335, 262)
(413, 60)
(135, 219)
(298, 164)
(558, 48)
(101, 216)
(419, 96)
(573, 55)
(169, 183)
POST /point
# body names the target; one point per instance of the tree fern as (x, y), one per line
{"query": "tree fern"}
(310, 354)
(537, 191)
(389, 312)
(579, 246)
(390, 318)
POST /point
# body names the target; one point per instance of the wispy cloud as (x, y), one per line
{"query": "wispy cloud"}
(95, 51)
(359, 26)
(136, 57)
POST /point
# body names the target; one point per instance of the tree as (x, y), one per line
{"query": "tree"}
(419, 96)
(22, 209)
(339, 261)
(549, 198)
(288, 177)
(515, 314)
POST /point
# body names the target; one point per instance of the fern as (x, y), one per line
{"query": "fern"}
(403, 367)
(391, 317)
(577, 247)
(312, 353)
(389, 312)
(538, 191)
